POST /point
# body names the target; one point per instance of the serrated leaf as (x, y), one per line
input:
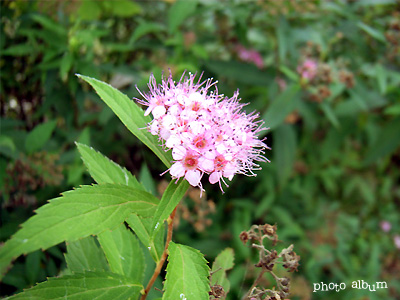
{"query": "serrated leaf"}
(123, 252)
(142, 228)
(79, 213)
(85, 255)
(187, 274)
(36, 139)
(88, 285)
(223, 262)
(131, 115)
(104, 170)
(169, 200)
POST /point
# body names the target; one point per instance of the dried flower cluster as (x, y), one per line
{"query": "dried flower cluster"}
(267, 260)
(207, 132)
(28, 174)
(317, 76)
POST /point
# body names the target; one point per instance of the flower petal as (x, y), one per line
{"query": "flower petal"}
(215, 177)
(177, 170)
(193, 177)
(178, 152)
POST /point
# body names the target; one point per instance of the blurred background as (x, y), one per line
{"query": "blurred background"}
(324, 75)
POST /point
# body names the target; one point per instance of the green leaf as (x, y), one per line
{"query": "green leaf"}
(289, 73)
(130, 114)
(179, 12)
(289, 227)
(18, 50)
(169, 200)
(50, 25)
(284, 151)
(142, 228)
(147, 181)
(387, 142)
(391, 110)
(381, 78)
(125, 8)
(145, 28)
(89, 10)
(330, 114)
(223, 262)
(187, 274)
(79, 213)
(104, 170)
(376, 34)
(36, 139)
(7, 142)
(66, 64)
(282, 38)
(239, 71)
(89, 285)
(85, 255)
(32, 266)
(123, 252)
(284, 104)
(373, 3)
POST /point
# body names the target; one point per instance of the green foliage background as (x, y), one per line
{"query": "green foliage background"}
(334, 172)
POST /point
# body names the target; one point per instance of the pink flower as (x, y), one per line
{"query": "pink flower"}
(308, 69)
(187, 164)
(207, 132)
(396, 240)
(250, 55)
(385, 226)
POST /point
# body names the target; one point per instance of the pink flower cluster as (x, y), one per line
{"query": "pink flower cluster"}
(207, 132)
(308, 69)
(250, 55)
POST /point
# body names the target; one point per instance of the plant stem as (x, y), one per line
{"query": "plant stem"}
(255, 283)
(163, 257)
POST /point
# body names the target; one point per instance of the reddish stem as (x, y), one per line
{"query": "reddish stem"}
(163, 257)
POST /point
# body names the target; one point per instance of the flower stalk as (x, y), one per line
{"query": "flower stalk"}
(158, 268)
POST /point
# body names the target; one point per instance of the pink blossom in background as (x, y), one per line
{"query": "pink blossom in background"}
(207, 132)
(308, 69)
(385, 226)
(249, 55)
(396, 240)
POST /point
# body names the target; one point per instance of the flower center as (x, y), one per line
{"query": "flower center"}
(219, 163)
(199, 142)
(190, 162)
(196, 106)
